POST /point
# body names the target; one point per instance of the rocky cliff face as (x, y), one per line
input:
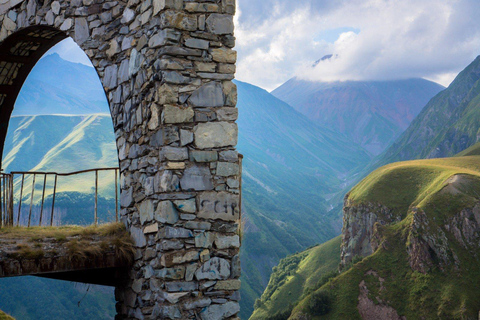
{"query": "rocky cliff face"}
(360, 237)
(410, 248)
(428, 244)
(432, 247)
(465, 227)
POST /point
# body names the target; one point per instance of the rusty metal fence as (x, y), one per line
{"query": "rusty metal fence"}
(13, 192)
(6, 199)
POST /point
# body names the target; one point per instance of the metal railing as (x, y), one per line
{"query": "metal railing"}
(12, 185)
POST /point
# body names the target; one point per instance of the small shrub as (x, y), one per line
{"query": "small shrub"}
(36, 238)
(282, 315)
(320, 303)
(60, 237)
(258, 304)
(27, 252)
(326, 277)
(354, 261)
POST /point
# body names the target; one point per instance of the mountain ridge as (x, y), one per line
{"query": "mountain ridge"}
(370, 113)
(444, 127)
(53, 87)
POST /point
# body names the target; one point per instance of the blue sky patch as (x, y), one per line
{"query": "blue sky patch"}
(331, 35)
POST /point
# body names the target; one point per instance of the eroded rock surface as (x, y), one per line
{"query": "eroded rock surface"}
(370, 310)
(359, 228)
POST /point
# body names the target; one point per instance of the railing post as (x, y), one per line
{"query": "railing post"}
(240, 157)
(2, 216)
(2, 213)
(53, 199)
(43, 198)
(10, 200)
(96, 195)
(31, 200)
(4, 204)
(20, 201)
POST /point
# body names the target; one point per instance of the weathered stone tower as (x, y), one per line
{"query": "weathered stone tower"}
(166, 66)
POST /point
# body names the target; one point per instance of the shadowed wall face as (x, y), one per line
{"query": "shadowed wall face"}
(166, 67)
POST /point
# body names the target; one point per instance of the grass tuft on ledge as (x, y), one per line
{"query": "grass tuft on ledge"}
(80, 243)
(62, 232)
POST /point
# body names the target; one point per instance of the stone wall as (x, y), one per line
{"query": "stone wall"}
(166, 66)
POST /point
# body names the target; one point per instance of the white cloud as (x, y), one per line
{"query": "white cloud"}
(444, 78)
(397, 39)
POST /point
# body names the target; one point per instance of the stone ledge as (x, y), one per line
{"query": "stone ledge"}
(45, 251)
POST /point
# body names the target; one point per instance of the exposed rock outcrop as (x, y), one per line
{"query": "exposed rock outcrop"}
(360, 226)
(428, 245)
(369, 309)
(465, 227)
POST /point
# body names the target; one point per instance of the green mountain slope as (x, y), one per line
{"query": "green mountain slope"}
(32, 298)
(290, 166)
(53, 87)
(424, 232)
(370, 113)
(295, 276)
(448, 124)
(395, 194)
(59, 143)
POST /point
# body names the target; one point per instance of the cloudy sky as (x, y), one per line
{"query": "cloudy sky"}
(369, 40)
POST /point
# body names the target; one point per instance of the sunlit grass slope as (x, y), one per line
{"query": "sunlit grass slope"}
(441, 188)
(295, 275)
(4, 316)
(59, 143)
(449, 183)
(62, 143)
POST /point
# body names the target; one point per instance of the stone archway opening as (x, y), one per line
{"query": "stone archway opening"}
(80, 205)
(72, 135)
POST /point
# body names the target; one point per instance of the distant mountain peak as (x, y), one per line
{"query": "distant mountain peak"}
(53, 55)
(58, 86)
(448, 124)
(371, 113)
(325, 57)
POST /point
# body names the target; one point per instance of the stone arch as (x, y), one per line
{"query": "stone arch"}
(31, 28)
(166, 67)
